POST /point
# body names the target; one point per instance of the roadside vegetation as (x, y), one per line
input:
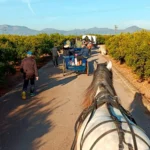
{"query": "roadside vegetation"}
(13, 49)
(130, 48)
(133, 50)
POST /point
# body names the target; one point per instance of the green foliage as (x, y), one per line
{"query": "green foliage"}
(78, 44)
(133, 49)
(2, 66)
(5, 69)
(13, 48)
(101, 39)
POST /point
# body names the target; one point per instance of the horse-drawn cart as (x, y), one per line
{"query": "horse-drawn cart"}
(69, 63)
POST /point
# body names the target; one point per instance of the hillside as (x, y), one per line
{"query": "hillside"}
(22, 30)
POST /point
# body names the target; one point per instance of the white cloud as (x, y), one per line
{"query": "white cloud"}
(29, 6)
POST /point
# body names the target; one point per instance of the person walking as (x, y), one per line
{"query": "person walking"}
(30, 73)
(55, 55)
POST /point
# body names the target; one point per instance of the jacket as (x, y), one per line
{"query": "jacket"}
(29, 67)
(84, 52)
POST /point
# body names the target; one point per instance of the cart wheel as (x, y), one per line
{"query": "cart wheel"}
(87, 68)
(64, 67)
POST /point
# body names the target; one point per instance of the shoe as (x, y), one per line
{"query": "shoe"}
(23, 95)
(32, 94)
(31, 89)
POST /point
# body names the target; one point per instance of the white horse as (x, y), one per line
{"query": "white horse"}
(105, 124)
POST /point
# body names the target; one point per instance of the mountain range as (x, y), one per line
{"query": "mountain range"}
(22, 30)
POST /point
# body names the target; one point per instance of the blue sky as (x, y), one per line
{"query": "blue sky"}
(79, 14)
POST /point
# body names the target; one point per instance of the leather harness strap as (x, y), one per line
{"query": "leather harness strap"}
(95, 127)
(100, 99)
(110, 131)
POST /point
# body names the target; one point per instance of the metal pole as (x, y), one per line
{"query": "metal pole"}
(116, 29)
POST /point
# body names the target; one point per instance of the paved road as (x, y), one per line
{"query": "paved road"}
(46, 121)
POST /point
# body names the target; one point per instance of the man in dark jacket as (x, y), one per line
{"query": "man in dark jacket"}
(84, 53)
(30, 73)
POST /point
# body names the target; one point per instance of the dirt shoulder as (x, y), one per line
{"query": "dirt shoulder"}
(132, 80)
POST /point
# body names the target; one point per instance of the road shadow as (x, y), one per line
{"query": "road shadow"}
(53, 77)
(22, 126)
(23, 122)
(140, 113)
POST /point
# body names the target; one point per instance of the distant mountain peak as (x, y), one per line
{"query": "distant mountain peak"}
(133, 27)
(23, 30)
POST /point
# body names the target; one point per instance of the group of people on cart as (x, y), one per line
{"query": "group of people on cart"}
(80, 53)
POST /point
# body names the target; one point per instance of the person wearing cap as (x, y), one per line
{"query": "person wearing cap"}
(30, 73)
(55, 55)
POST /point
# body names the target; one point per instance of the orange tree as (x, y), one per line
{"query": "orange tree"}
(133, 49)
